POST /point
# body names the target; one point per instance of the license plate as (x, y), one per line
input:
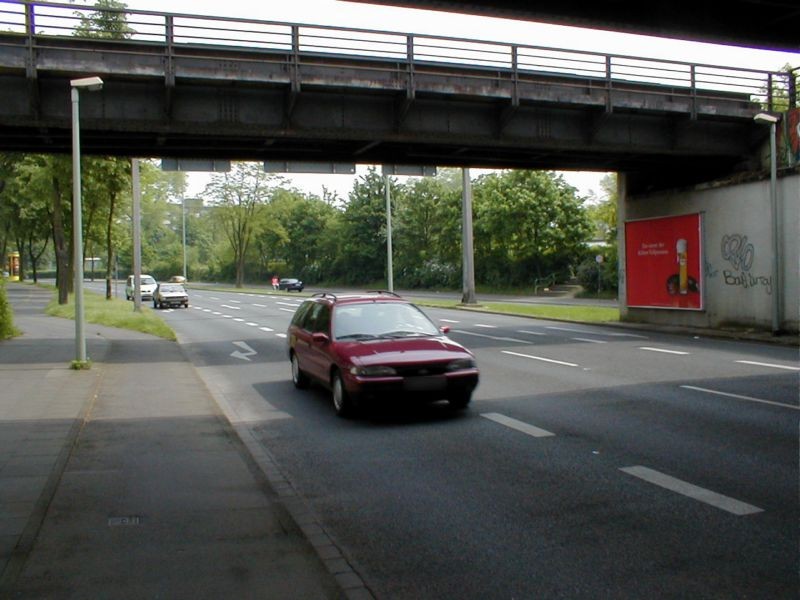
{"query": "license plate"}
(428, 383)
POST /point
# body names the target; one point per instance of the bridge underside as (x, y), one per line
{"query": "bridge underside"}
(369, 112)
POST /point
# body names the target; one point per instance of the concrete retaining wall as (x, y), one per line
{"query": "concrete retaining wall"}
(737, 243)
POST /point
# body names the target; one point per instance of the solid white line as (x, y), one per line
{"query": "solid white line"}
(760, 364)
(590, 340)
(663, 350)
(492, 337)
(267, 329)
(530, 332)
(485, 326)
(739, 397)
(692, 491)
(517, 425)
(549, 360)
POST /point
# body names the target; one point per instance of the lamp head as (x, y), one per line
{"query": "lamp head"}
(766, 118)
(91, 84)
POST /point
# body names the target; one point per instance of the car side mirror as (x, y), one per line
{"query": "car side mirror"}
(445, 329)
(320, 338)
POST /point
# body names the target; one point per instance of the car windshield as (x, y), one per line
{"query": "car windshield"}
(172, 288)
(380, 320)
(148, 281)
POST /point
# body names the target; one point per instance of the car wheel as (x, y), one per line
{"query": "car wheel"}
(342, 402)
(460, 401)
(299, 379)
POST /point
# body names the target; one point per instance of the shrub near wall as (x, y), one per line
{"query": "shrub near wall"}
(7, 329)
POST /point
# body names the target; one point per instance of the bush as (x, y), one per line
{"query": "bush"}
(7, 329)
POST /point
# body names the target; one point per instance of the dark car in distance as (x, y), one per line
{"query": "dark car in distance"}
(377, 346)
(170, 294)
(291, 285)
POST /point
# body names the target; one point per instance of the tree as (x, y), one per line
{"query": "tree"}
(238, 198)
(528, 224)
(109, 21)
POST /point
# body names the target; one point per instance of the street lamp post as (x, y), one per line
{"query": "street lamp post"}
(777, 290)
(91, 84)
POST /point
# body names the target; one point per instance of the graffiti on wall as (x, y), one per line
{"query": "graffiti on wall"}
(741, 255)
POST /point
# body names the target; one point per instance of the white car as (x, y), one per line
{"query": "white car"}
(148, 285)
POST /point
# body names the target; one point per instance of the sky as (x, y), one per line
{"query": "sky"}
(387, 18)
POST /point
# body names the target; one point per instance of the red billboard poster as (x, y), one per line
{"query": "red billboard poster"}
(663, 262)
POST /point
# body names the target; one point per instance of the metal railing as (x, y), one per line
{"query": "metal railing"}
(402, 52)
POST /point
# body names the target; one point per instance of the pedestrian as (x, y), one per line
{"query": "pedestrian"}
(274, 282)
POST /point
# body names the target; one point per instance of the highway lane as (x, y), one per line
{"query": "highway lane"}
(593, 462)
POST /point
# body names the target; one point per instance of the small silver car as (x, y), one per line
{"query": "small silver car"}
(170, 294)
(148, 284)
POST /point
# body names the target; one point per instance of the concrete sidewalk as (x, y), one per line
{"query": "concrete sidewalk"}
(126, 480)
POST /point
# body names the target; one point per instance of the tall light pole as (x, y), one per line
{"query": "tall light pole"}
(183, 221)
(389, 266)
(777, 289)
(91, 84)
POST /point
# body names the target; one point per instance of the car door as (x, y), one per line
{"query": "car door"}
(319, 359)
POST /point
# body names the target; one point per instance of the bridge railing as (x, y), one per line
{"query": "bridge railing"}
(404, 52)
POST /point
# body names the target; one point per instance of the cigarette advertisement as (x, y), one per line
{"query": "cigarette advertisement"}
(663, 261)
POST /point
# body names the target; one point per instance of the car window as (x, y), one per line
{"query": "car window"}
(171, 288)
(299, 318)
(381, 319)
(322, 320)
(148, 281)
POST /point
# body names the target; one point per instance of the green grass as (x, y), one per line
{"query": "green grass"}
(582, 314)
(113, 313)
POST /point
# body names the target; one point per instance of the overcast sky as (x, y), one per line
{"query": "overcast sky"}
(360, 15)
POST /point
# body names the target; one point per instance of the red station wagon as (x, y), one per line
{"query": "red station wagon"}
(376, 346)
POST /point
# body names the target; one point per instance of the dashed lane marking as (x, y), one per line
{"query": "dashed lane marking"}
(689, 490)
(492, 337)
(771, 365)
(663, 350)
(517, 425)
(541, 358)
(590, 340)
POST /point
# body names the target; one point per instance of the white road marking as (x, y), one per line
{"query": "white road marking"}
(231, 307)
(214, 298)
(692, 491)
(227, 316)
(739, 397)
(238, 320)
(485, 326)
(649, 349)
(216, 313)
(267, 329)
(549, 360)
(590, 340)
(530, 332)
(260, 305)
(449, 321)
(236, 301)
(280, 335)
(251, 324)
(248, 351)
(206, 310)
(287, 304)
(630, 335)
(517, 425)
(761, 364)
(570, 329)
(492, 337)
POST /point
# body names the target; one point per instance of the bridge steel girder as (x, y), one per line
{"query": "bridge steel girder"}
(235, 104)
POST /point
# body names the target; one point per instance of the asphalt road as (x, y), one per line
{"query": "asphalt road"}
(593, 462)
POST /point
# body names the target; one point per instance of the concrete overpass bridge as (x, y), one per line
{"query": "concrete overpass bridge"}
(206, 87)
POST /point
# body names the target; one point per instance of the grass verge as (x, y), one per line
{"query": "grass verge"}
(582, 314)
(113, 313)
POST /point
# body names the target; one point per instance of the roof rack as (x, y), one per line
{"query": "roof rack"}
(387, 292)
(324, 295)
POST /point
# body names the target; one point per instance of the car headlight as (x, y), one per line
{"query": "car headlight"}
(373, 371)
(461, 364)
